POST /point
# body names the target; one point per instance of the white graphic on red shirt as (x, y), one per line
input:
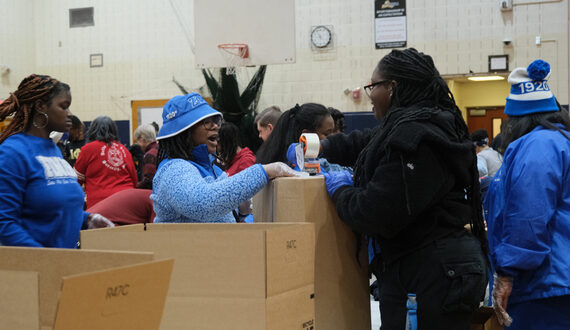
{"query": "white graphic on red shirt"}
(115, 157)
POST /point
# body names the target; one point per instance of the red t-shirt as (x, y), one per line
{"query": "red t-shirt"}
(104, 169)
(242, 160)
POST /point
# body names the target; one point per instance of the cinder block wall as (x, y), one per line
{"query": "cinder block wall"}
(17, 43)
(144, 47)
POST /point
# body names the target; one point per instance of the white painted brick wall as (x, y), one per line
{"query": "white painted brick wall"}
(144, 46)
(16, 42)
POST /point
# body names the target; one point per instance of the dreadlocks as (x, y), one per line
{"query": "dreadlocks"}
(21, 103)
(419, 83)
(176, 146)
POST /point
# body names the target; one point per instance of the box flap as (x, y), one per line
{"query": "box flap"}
(53, 264)
(212, 260)
(19, 300)
(130, 297)
(290, 257)
(131, 227)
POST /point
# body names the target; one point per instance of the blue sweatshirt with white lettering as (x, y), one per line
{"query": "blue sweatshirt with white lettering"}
(41, 202)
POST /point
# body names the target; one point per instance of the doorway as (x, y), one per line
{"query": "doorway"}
(488, 118)
(147, 111)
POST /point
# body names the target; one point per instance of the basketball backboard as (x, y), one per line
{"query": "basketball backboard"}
(266, 26)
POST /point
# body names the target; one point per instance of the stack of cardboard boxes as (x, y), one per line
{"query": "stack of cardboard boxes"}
(342, 296)
(299, 272)
(227, 276)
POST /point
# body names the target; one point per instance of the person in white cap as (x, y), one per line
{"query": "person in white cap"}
(528, 205)
(187, 186)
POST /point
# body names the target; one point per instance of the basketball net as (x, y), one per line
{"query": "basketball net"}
(234, 55)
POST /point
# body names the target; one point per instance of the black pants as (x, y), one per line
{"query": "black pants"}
(448, 276)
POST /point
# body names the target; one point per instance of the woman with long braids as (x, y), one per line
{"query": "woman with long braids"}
(41, 202)
(188, 186)
(416, 194)
(528, 205)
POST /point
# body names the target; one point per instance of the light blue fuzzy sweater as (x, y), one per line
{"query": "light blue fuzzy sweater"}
(198, 191)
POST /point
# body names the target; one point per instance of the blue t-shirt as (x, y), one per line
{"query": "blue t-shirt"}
(41, 202)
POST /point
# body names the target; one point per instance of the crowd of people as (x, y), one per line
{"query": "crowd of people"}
(412, 186)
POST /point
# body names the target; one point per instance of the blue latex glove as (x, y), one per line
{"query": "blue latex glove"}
(292, 157)
(335, 180)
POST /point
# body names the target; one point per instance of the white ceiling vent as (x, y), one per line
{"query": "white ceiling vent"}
(81, 17)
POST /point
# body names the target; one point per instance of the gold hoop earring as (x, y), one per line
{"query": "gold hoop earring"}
(46, 120)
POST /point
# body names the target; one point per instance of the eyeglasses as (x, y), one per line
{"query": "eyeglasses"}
(210, 122)
(368, 88)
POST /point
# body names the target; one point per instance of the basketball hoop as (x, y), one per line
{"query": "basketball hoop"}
(234, 55)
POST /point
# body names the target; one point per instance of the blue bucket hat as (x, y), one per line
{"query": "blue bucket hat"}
(182, 112)
(529, 90)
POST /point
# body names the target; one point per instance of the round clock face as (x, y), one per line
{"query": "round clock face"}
(321, 36)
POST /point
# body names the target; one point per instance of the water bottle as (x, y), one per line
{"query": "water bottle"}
(412, 316)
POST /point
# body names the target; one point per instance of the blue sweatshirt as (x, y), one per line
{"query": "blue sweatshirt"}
(197, 191)
(41, 202)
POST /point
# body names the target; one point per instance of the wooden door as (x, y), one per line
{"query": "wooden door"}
(488, 118)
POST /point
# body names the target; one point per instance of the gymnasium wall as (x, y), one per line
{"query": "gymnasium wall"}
(145, 43)
(17, 43)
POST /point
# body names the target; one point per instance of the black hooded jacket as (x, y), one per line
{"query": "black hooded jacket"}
(411, 180)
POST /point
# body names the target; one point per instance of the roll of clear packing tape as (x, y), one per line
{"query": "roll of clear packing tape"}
(312, 144)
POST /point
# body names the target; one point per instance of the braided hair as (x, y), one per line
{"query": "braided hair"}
(418, 82)
(177, 146)
(21, 103)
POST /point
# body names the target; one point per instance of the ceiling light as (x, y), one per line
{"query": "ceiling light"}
(486, 78)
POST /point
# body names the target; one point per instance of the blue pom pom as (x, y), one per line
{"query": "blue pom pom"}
(538, 70)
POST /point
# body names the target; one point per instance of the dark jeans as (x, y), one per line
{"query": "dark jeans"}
(448, 276)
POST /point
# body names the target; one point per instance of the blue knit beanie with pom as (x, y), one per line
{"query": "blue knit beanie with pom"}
(530, 92)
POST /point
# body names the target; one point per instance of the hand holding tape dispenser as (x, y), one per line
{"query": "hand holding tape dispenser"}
(306, 153)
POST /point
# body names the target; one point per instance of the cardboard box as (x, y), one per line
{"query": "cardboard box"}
(238, 276)
(484, 318)
(342, 296)
(72, 289)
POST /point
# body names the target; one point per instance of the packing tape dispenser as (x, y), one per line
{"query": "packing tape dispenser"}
(307, 152)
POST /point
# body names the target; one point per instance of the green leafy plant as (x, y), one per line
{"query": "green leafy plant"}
(237, 107)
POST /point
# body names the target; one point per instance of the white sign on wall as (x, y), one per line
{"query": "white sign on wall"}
(390, 23)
